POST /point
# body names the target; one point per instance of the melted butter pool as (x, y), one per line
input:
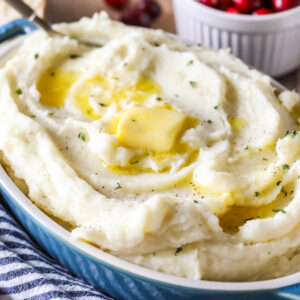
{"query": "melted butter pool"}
(54, 86)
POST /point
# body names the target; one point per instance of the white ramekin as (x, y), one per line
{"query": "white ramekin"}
(270, 43)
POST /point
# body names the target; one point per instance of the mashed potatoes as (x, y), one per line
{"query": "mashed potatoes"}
(177, 158)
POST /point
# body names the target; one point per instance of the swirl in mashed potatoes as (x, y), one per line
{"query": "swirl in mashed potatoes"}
(177, 158)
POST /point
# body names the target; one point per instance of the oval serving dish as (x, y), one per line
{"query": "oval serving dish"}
(116, 277)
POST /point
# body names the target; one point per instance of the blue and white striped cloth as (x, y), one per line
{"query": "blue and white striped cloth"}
(27, 273)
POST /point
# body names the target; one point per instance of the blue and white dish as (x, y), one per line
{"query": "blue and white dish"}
(112, 275)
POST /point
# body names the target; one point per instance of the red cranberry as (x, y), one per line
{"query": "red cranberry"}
(224, 4)
(281, 5)
(134, 16)
(233, 10)
(118, 4)
(247, 6)
(150, 7)
(211, 3)
(262, 11)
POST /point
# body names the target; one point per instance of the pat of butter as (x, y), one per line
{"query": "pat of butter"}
(150, 128)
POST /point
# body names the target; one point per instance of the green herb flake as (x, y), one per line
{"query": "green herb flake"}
(156, 44)
(287, 133)
(19, 91)
(285, 167)
(294, 133)
(256, 194)
(36, 56)
(33, 116)
(158, 99)
(216, 107)
(50, 114)
(133, 120)
(196, 201)
(116, 78)
(52, 74)
(283, 191)
(81, 136)
(125, 64)
(118, 186)
(100, 130)
(298, 177)
(190, 62)
(178, 250)
(193, 84)
(102, 104)
(74, 56)
(134, 162)
(246, 148)
(292, 198)
(279, 210)
(278, 182)
(209, 121)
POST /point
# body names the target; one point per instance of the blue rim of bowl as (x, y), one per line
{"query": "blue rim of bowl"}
(283, 284)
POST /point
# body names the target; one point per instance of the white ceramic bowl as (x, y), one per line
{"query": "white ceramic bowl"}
(270, 43)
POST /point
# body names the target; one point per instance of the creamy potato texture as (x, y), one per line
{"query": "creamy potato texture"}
(177, 158)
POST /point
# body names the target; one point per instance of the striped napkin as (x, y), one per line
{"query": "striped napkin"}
(27, 273)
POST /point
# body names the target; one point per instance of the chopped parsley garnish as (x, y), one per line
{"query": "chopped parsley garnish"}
(216, 107)
(190, 62)
(134, 162)
(193, 84)
(133, 120)
(102, 104)
(279, 210)
(294, 133)
(246, 148)
(256, 194)
(32, 116)
(19, 91)
(292, 198)
(283, 191)
(285, 167)
(100, 130)
(81, 136)
(116, 78)
(298, 177)
(196, 201)
(287, 133)
(156, 44)
(74, 56)
(52, 74)
(178, 250)
(158, 99)
(209, 121)
(118, 187)
(278, 182)
(125, 64)
(36, 56)
(51, 113)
